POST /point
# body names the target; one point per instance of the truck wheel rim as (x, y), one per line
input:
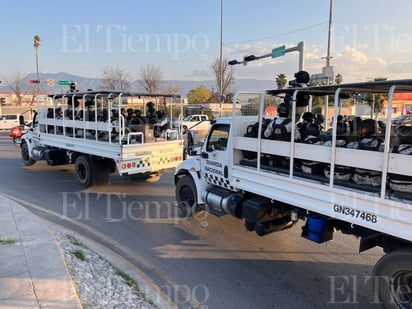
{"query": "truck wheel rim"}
(401, 289)
(81, 171)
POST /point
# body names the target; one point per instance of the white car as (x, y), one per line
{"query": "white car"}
(8, 121)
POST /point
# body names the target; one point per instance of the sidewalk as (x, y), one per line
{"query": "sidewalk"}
(33, 273)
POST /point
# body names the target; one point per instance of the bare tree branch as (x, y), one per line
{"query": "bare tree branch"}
(227, 75)
(150, 78)
(19, 87)
(115, 79)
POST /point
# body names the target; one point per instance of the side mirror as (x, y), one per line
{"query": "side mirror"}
(190, 139)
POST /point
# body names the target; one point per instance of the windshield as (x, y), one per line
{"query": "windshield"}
(187, 118)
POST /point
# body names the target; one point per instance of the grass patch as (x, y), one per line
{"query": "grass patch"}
(7, 241)
(79, 254)
(133, 284)
(76, 242)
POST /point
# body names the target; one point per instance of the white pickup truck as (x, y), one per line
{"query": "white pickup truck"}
(198, 122)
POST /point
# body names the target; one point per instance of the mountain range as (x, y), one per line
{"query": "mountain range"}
(185, 86)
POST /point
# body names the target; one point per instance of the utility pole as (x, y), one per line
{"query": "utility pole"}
(327, 70)
(328, 57)
(221, 59)
(36, 46)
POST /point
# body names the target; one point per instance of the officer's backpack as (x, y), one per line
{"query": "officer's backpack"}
(280, 132)
(252, 130)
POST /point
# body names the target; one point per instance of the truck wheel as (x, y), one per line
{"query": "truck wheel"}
(84, 171)
(186, 196)
(25, 155)
(393, 281)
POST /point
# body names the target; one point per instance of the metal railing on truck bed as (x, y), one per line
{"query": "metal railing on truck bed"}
(107, 116)
(366, 184)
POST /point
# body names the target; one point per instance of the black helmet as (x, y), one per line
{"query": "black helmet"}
(368, 127)
(405, 134)
(283, 110)
(302, 77)
(308, 116)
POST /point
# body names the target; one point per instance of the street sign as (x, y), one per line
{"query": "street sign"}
(278, 51)
(328, 72)
(50, 82)
(65, 82)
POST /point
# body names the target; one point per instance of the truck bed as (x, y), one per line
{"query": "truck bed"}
(95, 123)
(377, 207)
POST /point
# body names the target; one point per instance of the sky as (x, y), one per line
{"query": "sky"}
(369, 38)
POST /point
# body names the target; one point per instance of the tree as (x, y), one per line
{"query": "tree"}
(150, 78)
(281, 81)
(115, 79)
(19, 87)
(199, 95)
(338, 79)
(224, 81)
(376, 101)
(172, 89)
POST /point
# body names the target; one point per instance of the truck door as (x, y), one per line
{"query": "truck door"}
(215, 156)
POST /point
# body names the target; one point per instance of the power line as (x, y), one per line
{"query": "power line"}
(280, 34)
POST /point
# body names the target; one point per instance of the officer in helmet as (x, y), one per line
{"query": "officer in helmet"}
(281, 126)
(368, 141)
(150, 112)
(307, 119)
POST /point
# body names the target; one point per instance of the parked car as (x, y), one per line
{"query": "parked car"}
(7, 121)
(200, 123)
(404, 120)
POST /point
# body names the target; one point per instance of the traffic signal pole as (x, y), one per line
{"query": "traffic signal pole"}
(277, 52)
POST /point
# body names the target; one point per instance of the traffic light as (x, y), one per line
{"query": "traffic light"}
(233, 62)
(249, 58)
(34, 81)
(2, 101)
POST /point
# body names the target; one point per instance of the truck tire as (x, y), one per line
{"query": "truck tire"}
(25, 155)
(186, 196)
(393, 279)
(84, 171)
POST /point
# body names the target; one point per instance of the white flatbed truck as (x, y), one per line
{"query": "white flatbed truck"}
(91, 130)
(231, 174)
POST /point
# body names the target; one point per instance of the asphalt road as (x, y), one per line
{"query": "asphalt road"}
(200, 262)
